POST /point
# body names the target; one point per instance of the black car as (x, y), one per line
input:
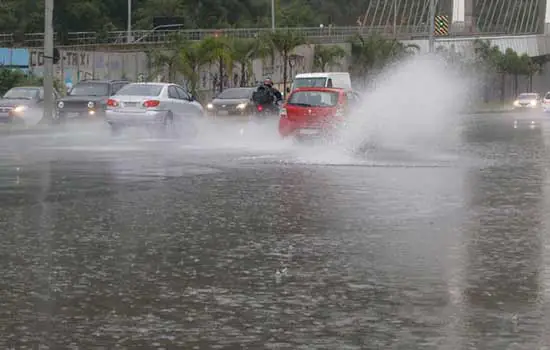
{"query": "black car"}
(233, 101)
(87, 98)
(23, 104)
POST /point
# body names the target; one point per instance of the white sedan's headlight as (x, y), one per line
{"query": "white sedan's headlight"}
(19, 109)
(516, 103)
(534, 103)
(241, 106)
(91, 104)
(60, 104)
(209, 106)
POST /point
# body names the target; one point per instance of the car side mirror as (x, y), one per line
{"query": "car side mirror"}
(288, 90)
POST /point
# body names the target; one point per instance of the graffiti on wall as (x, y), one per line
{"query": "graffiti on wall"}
(91, 64)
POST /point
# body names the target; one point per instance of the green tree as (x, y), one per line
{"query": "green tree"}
(375, 52)
(327, 56)
(169, 58)
(192, 59)
(514, 65)
(244, 52)
(218, 50)
(284, 42)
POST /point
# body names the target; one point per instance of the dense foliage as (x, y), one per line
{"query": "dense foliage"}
(183, 58)
(15, 77)
(493, 66)
(26, 16)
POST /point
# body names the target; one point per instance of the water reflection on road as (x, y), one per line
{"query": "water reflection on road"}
(139, 247)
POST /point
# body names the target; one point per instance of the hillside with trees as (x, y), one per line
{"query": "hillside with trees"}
(26, 16)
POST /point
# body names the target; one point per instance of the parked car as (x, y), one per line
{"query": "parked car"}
(87, 98)
(161, 106)
(232, 102)
(527, 101)
(23, 105)
(314, 111)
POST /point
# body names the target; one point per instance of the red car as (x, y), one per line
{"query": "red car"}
(313, 111)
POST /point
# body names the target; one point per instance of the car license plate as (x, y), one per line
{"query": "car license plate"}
(73, 115)
(223, 113)
(309, 131)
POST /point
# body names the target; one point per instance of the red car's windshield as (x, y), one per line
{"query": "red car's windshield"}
(313, 99)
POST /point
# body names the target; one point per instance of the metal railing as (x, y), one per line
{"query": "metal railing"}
(313, 34)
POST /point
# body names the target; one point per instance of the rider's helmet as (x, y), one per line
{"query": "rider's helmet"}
(268, 82)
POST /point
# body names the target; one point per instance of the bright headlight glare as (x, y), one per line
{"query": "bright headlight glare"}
(91, 104)
(241, 106)
(19, 109)
(209, 106)
(60, 104)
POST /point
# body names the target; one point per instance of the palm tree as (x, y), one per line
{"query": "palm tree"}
(284, 42)
(192, 59)
(327, 56)
(217, 49)
(244, 52)
(375, 52)
(169, 58)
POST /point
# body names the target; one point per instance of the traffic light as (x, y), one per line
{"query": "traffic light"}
(441, 25)
(56, 55)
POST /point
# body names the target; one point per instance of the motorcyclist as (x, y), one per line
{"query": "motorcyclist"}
(278, 97)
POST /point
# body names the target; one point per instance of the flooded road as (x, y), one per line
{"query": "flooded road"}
(148, 244)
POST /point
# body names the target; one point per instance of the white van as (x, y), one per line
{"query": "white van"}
(340, 80)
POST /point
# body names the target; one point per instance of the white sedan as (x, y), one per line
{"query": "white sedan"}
(162, 106)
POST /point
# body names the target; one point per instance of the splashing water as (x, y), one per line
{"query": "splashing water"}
(413, 105)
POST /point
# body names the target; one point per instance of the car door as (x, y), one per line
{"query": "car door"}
(174, 101)
(187, 102)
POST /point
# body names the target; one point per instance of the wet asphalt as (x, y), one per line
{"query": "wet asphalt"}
(238, 240)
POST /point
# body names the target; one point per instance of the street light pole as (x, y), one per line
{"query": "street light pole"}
(129, 30)
(273, 15)
(395, 18)
(432, 26)
(48, 61)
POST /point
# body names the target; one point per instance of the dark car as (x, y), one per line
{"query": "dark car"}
(88, 98)
(23, 104)
(233, 101)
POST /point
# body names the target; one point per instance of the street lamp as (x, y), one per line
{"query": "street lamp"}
(48, 61)
(273, 15)
(431, 38)
(129, 31)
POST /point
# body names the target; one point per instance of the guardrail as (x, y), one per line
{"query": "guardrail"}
(327, 33)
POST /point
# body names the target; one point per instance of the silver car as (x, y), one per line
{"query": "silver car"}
(162, 106)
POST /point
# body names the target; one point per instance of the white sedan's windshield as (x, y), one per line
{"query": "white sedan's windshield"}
(140, 90)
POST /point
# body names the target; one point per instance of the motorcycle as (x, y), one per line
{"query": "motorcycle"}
(264, 111)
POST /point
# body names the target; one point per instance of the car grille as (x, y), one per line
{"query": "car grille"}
(227, 108)
(75, 104)
(4, 109)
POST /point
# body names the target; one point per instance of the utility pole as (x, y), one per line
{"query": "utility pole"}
(129, 30)
(395, 18)
(48, 61)
(273, 15)
(432, 26)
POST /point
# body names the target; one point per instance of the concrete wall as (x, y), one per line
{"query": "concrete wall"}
(76, 65)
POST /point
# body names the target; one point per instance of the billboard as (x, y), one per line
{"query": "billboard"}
(14, 58)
